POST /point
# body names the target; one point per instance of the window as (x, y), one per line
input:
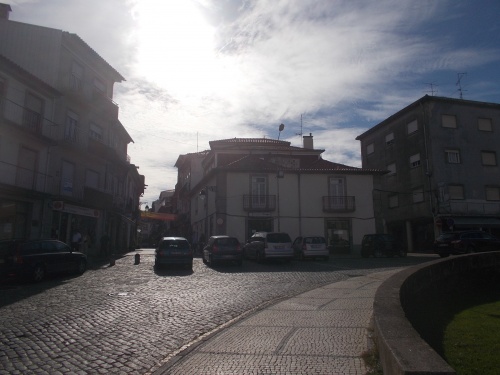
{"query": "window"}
(95, 131)
(393, 201)
(488, 158)
(92, 179)
(492, 193)
(389, 139)
(452, 156)
(33, 113)
(337, 193)
(418, 195)
(456, 192)
(67, 177)
(392, 169)
(71, 130)
(449, 121)
(412, 127)
(370, 149)
(415, 160)
(76, 78)
(259, 191)
(26, 170)
(484, 124)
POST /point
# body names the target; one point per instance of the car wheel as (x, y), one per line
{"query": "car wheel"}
(259, 257)
(38, 273)
(203, 258)
(211, 261)
(239, 263)
(81, 267)
(301, 256)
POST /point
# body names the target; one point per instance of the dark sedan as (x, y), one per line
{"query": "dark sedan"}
(173, 251)
(222, 249)
(35, 259)
(465, 242)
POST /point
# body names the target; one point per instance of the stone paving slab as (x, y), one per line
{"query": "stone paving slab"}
(323, 331)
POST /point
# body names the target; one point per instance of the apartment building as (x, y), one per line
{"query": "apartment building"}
(244, 185)
(441, 155)
(62, 145)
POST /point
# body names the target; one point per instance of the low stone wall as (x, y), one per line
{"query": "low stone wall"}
(401, 348)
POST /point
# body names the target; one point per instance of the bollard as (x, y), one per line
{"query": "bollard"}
(111, 260)
(137, 258)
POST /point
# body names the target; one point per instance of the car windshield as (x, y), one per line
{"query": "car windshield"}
(447, 236)
(314, 240)
(278, 237)
(227, 241)
(174, 244)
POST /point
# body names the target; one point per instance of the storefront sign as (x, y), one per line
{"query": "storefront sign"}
(77, 210)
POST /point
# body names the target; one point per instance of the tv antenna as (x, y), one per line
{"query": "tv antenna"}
(433, 88)
(459, 84)
(300, 134)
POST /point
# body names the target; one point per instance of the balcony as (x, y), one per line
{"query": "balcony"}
(339, 203)
(24, 178)
(105, 103)
(472, 208)
(28, 120)
(262, 203)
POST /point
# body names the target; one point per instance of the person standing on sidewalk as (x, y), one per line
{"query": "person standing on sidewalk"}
(76, 240)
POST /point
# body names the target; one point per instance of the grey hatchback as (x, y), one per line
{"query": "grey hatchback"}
(222, 249)
(173, 250)
(35, 259)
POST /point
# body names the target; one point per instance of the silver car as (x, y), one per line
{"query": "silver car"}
(269, 245)
(310, 247)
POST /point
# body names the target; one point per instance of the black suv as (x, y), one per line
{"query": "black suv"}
(380, 245)
(34, 259)
(464, 242)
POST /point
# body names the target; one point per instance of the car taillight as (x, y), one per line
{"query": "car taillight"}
(215, 248)
(304, 246)
(17, 259)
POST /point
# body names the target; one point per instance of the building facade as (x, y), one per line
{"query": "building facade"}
(441, 158)
(259, 184)
(61, 140)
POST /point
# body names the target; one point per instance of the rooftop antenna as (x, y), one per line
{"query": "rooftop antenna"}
(300, 134)
(433, 88)
(459, 84)
(280, 130)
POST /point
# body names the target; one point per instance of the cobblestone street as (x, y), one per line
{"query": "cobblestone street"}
(129, 318)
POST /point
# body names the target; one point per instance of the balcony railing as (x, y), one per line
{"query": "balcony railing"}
(26, 178)
(339, 203)
(259, 202)
(27, 119)
(471, 208)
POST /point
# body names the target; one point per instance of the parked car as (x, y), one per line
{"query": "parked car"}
(34, 259)
(379, 245)
(269, 245)
(222, 249)
(310, 247)
(463, 242)
(173, 250)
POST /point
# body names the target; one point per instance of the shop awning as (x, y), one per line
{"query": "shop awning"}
(486, 222)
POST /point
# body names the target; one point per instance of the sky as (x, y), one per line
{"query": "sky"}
(203, 70)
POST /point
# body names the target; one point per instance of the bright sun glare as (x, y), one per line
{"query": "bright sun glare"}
(176, 49)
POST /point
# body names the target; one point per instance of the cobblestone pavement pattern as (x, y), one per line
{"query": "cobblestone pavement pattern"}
(129, 318)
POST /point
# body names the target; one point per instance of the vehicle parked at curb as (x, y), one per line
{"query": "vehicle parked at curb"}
(34, 259)
(173, 251)
(465, 242)
(222, 249)
(379, 245)
(310, 247)
(269, 245)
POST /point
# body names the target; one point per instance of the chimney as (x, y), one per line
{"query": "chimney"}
(5, 9)
(308, 142)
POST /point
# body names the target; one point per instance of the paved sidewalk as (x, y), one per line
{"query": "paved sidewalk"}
(323, 331)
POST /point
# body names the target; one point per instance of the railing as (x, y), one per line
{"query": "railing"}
(28, 119)
(259, 202)
(339, 203)
(20, 177)
(472, 208)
